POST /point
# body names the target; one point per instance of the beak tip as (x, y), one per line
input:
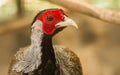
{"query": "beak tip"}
(67, 22)
(75, 25)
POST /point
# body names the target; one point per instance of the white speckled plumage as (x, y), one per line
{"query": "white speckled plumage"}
(29, 58)
(68, 61)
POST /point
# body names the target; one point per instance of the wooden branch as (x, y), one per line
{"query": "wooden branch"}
(15, 25)
(87, 9)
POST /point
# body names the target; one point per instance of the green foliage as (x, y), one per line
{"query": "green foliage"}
(8, 10)
(105, 3)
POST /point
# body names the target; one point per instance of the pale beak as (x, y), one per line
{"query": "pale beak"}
(66, 22)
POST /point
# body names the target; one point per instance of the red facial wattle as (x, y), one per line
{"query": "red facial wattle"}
(49, 30)
(49, 25)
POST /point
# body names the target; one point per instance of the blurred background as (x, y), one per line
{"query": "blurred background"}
(97, 43)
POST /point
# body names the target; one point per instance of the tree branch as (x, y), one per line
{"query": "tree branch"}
(87, 9)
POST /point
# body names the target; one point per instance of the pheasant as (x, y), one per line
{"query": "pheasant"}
(42, 57)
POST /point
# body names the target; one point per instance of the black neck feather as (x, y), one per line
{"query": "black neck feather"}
(48, 65)
(48, 62)
(47, 50)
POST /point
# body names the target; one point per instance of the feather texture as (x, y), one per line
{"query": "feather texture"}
(69, 63)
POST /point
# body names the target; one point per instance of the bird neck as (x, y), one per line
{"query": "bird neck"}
(48, 64)
(44, 42)
(47, 49)
(44, 45)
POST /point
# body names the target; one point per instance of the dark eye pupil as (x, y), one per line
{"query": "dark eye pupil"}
(49, 18)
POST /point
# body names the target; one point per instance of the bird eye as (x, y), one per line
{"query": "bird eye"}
(50, 18)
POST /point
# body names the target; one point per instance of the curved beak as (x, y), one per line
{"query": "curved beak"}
(66, 22)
